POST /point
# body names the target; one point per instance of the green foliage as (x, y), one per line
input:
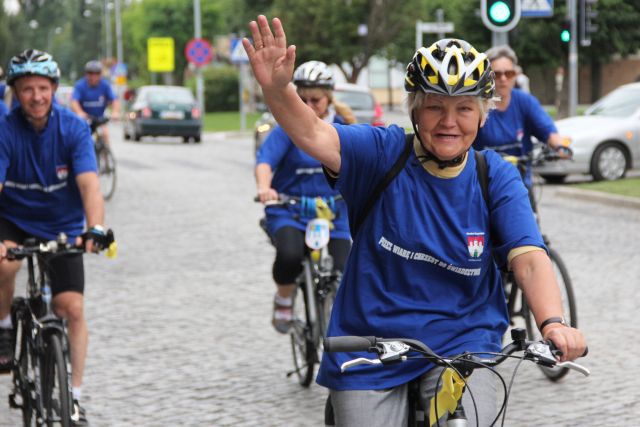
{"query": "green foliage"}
(618, 30)
(227, 121)
(221, 88)
(328, 30)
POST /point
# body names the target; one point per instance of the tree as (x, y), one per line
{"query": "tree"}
(333, 30)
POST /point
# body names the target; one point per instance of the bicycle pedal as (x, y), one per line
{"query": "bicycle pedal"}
(13, 403)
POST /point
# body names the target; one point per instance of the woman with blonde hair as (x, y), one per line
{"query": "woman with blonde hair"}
(281, 167)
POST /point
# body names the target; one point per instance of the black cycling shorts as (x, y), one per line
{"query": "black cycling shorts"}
(66, 272)
(290, 249)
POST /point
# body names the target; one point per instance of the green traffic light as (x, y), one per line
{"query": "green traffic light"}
(499, 12)
(565, 36)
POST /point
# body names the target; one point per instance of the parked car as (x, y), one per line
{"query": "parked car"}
(605, 141)
(359, 98)
(163, 111)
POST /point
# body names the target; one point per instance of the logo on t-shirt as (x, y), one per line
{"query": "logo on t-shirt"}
(62, 172)
(475, 244)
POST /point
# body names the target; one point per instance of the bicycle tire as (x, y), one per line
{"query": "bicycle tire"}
(303, 348)
(106, 170)
(23, 378)
(56, 398)
(569, 307)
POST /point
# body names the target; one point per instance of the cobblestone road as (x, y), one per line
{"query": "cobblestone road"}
(179, 322)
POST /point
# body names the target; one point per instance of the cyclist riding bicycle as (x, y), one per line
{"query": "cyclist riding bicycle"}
(92, 95)
(518, 115)
(422, 262)
(49, 185)
(283, 168)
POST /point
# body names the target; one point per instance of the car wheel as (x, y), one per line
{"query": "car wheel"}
(609, 162)
(185, 139)
(127, 137)
(197, 138)
(136, 136)
(554, 179)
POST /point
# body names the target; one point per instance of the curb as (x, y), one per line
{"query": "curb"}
(218, 136)
(599, 197)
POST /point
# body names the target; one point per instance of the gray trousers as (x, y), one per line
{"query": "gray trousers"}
(366, 408)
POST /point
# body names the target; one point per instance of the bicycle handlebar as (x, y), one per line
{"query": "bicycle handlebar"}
(395, 349)
(286, 199)
(55, 247)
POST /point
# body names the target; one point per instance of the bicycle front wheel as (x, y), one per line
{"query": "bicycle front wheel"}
(106, 171)
(303, 348)
(23, 372)
(325, 298)
(570, 312)
(56, 402)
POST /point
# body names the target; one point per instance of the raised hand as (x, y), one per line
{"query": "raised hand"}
(271, 60)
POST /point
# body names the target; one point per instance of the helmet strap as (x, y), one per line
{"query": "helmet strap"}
(430, 156)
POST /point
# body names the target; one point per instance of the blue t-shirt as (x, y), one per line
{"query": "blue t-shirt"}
(38, 171)
(93, 99)
(3, 107)
(295, 173)
(421, 264)
(509, 132)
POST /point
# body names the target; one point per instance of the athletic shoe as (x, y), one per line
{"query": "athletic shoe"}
(78, 416)
(6, 349)
(282, 316)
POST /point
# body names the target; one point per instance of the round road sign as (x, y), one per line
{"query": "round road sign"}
(199, 52)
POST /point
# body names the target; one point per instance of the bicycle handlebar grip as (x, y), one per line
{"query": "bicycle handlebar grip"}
(348, 343)
(553, 348)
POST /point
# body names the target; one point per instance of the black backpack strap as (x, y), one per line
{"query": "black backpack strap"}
(483, 176)
(384, 183)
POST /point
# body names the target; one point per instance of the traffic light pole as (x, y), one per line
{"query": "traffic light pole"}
(499, 38)
(573, 57)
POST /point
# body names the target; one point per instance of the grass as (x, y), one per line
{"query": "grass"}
(228, 121)
(626, 187)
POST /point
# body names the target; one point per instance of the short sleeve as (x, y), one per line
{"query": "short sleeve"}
(274, 148)
(540, 123)
(82, 151)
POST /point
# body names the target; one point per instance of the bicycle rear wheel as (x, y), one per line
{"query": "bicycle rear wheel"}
(570, 312)
(106, 171)
(303, 347)
(56, 400)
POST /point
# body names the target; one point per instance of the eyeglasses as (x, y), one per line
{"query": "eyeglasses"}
(509, 74)
(312, 100)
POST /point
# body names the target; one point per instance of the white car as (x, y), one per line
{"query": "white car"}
(605, 141)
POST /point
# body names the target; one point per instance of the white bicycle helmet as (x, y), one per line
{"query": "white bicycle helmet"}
(313, 74)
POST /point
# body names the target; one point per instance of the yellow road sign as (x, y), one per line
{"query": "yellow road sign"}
(160, 54)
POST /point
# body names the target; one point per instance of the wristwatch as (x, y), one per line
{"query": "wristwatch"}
(551, 320)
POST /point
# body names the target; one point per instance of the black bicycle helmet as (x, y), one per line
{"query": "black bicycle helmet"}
(450, 67)
(93, 67)
(313, 74)
(32, 62)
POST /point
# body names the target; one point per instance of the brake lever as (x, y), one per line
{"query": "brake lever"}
(574, 366)
(359, 361)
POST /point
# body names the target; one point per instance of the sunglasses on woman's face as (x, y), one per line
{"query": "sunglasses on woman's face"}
(312, 100)
(509, 74)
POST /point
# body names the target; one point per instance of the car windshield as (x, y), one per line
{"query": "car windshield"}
(355, 100)
(173, 95)
(622, 102)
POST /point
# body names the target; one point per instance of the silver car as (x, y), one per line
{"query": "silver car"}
(605, 141)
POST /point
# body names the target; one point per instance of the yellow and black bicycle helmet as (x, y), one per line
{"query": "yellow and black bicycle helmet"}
(450, 67)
